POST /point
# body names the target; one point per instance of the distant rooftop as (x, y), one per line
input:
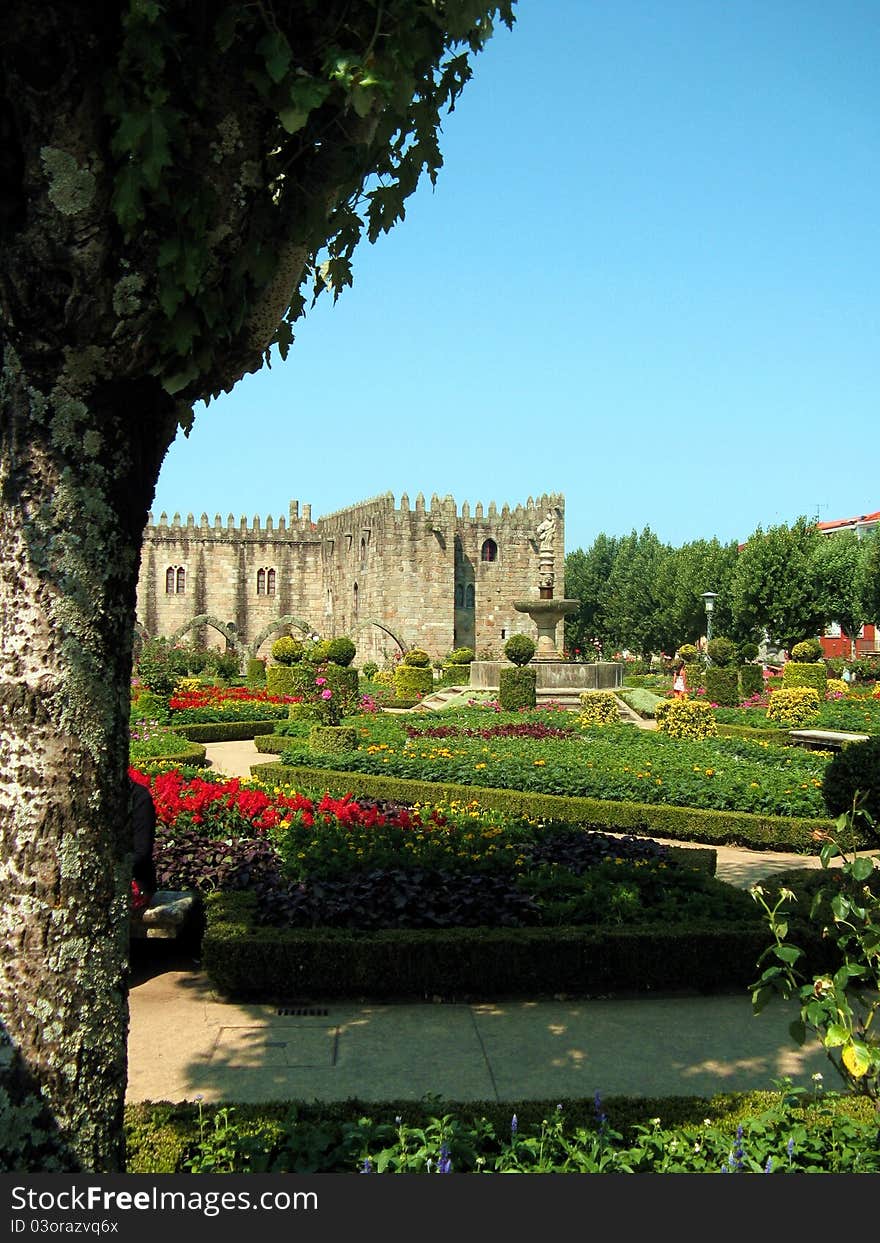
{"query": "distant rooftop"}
(851, 524)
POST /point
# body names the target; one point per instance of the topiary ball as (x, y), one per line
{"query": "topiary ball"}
(341, 651)
(287, 650)
(519, 649)
(807, 652)
(721, 651)
(417, 658)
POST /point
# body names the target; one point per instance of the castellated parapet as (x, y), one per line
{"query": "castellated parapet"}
(391, 575)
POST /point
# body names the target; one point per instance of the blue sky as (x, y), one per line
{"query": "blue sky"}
(647, 279)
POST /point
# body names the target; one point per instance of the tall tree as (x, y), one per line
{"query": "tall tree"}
(774, 587)
(839, 574)
(586, 580)
(176, 179)
(632, 615)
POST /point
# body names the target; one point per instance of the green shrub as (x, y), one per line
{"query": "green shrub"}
(519, 649)
(331, 739)
(370, 670)
(417, 658)
(747, 652)
(688, 653)
(814, 675)
(809, 651)
(316, 651)
(461, 656)
(722, 686)
(854, 769)
(151, 707)
(413, 681)
(685, 718)
(517, 687)
(794, 706)
(751, 680)
(341, 651)
(694, 675)
(160, 665)
(721, 651)
(255, 675)
(279, 679)
(287, 650)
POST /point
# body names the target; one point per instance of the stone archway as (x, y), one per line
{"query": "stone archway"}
(371, 621)
(205, 619)
(279, 624)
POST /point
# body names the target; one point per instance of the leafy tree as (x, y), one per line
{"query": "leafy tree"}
(695, 567)
(177, 179)
(839, 574)
(586, 579)
(869, 577)
(632, 607)
(774, 587)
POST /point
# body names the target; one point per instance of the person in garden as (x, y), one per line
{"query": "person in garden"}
(143, 836)
(679, 682)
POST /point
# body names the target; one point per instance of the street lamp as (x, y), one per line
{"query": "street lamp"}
(709, 598)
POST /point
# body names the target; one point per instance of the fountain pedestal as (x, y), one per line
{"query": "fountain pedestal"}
(546, 614)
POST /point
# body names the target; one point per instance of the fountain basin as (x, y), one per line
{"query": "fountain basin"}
(547, 614)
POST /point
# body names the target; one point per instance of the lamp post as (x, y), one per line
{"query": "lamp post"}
(709, 598)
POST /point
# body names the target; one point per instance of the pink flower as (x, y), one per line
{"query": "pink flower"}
(328, 694)
(320, 681)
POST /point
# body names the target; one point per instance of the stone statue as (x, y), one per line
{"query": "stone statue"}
(546, 532)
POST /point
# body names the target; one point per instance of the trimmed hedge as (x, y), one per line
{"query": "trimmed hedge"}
(271, 744)
(814, 676)
(722, 686)
(410, 681)
(193, 754)
(517, 686)
(328, 739)
(244, 959)
(685, 824)
(225, 731)
(751, 680)
(779, 737)
(280, 679)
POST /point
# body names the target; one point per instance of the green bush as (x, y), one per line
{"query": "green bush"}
(341, 651)
(417, 658)
(721, 651)
(598, 708)
(519, 650)
(854, 770)
(280, 679)
(751, 680)
(413, 681)
(331, 739)
(517, 687)
(813, 675)
(793, 706)
(685, 718)
(722, 686)
(287, 650)
(809, 651)
(151, 707)
(370, 670)
(461, 656)
(694, 675)
(160, 665)
(255, 675)
(688, 652)
(747, 652)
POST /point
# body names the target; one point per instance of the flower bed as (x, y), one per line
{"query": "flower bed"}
(211, 704)
(610, 762)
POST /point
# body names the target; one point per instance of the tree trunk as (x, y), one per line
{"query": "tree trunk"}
(67, 609)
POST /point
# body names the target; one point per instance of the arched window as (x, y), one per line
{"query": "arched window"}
(270, 582)
(261, 582)
(363, 553)
(469, 597)
(489, 551)
(169, 581)
(354, 601)
(459, 596)
(181, 579)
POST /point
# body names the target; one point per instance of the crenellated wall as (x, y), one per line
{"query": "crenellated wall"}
(410, 574)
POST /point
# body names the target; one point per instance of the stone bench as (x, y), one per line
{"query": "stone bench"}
(167, 916)
(824, 739)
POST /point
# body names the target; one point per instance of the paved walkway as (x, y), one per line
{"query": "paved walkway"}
(185, 1041)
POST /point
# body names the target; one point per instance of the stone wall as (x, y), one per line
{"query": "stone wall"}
(392, 576)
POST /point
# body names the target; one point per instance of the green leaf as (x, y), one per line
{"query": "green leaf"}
(835, 1036)
(760, 998)
(798, 1031)
(787, 953)
(224, 30)
(177, 380)
(293, 119)
(861, 868)
(276, 53)
(362, 99)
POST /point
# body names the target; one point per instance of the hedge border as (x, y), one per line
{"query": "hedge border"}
(194, 754)
(689, 824)
(226, 731)
(246, 960)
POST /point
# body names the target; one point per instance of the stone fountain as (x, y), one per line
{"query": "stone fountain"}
(558, 680)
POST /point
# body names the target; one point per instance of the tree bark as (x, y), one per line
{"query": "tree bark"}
(71, 522)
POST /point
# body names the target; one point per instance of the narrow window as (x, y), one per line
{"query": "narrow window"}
(261, 582)
(469, 597)
(489, 551)
(169, 581)
(363, 553)
(459, 596)
(270, 582)
(181, 580)
(354, 601)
